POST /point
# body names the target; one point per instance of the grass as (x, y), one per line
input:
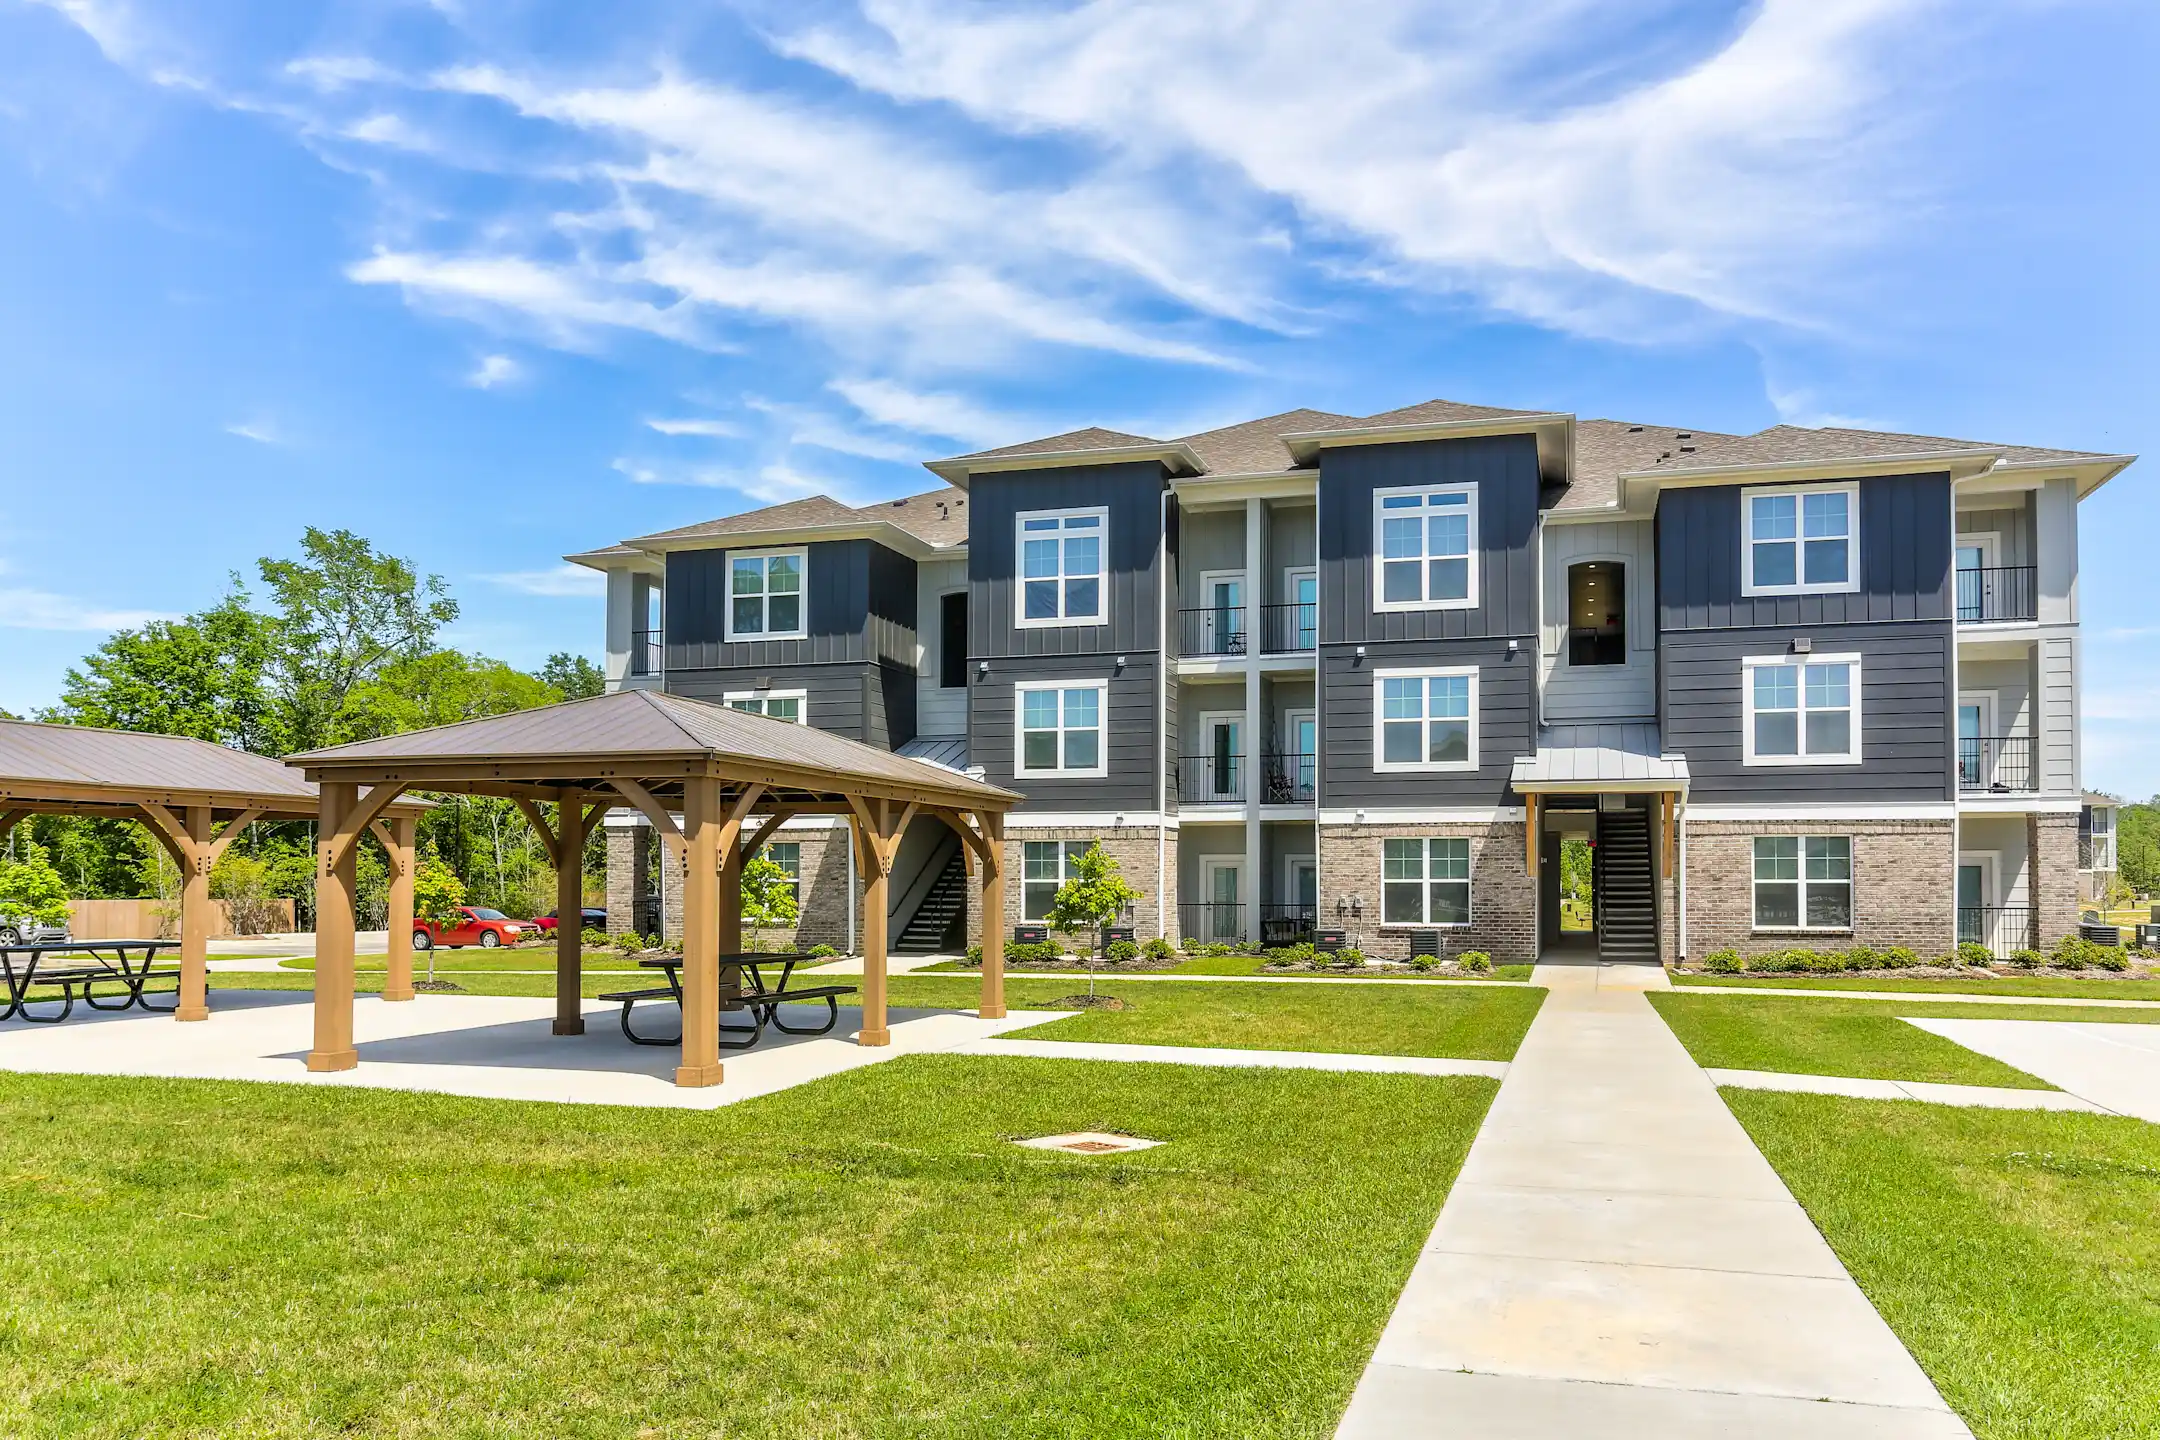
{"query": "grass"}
(1237, 965)
(1980, 984)
(1460, 1022)
(2013, 1252)
(863, 1256)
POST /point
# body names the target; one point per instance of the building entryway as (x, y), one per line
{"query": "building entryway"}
(1597, 891)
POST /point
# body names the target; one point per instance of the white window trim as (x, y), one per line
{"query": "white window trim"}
(802, 709)
(1471, 593)
(1851, 583)
(1102, 715)
(1851, 882)
(1381, 766)
(802, 630)
(1424, 885)
(1748, 667)
(1102, 586)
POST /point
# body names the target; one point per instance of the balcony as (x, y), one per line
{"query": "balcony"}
(1212, 921)
(1997, 594)
(1290, 779)
(1219, 630)
(2001, 928)
(1217, 779)
(1289, 629)
(645, 652)
(1995, 765)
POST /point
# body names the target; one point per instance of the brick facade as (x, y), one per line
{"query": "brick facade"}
(629, 880)
(1503, 896)
(1133, 849)
(2053, 842)
(1904, 877)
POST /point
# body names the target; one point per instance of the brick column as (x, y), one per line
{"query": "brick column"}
(629, 877)
(2054, 875)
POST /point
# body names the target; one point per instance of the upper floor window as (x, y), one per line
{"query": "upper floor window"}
(1425, 719)
(1802, 711)
(765, 599)
(1597, 613)
(1061, 729)
(1061, 567)
(1425, 543)
(778, 704)
(1800, 540)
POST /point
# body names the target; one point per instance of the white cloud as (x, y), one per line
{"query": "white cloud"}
(262, 432)
(23, 608)
(562, 580)
(929, 413)
(771, 483)
(565, 299)
(494, 370)
(702, 428)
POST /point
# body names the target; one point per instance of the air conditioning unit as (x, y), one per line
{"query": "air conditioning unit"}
(1425, 942)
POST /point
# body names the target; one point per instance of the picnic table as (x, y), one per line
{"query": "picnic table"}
(742, 987)
(75, 966)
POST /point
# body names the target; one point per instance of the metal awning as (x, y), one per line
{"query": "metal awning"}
(1581, 759)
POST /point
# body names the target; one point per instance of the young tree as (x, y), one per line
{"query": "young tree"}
(1095, 895)
(768, 898)
(437, 893)
(30, 889)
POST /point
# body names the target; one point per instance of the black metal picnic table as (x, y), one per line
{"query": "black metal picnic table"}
(129, 962)
(762, 1002)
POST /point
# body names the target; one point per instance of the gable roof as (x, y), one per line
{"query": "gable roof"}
(1255, 447)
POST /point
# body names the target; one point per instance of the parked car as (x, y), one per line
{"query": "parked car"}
(16, 931)
(595, 919)
(487, 928)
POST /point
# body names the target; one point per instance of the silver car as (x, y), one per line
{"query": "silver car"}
(31, 932)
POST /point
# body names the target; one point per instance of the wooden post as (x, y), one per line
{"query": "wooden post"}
(398, 841)
(876, 863)
(570, 914)
(993, 915)
(336, 873)
(701, 934)
(1665, 834)
(1530, 836)
(195, 918)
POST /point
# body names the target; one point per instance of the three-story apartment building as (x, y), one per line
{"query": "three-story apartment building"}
(1319, 672)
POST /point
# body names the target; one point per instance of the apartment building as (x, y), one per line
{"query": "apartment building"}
(1318, 672)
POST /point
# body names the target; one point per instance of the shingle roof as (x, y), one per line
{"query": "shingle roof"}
(936, 517)
(1799, 443)
(1094, 437)
(1254, 447)
(37, 761)
(1607, 449)
(1438, 412)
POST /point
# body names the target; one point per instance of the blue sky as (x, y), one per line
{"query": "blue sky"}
(490, 283)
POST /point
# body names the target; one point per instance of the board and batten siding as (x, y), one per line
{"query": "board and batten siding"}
(892, 620)
(834, 693)
(1907, 724)
(1505, 470)
(837, 607)
(1577, 693)
(1132, 493)
(1347, 777)
(1132, 742)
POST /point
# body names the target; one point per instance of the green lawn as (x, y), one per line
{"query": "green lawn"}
(1460, 1022)
(863, 1256)
(476, 959)
(2013, 1252)
(1237, 965)
(2021, 985)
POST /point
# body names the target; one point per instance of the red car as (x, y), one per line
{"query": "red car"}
(487, 928)
(595, 919)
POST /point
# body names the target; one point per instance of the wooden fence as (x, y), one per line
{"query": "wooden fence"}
(151, 919)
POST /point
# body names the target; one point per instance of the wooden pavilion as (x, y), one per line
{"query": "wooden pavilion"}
(719, 769)
(196, 798)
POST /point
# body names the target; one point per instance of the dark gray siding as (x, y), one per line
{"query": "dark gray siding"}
(1134, 738)
(892, 621)
(838, 597)
(1503, 467)
(835, 699)
(1347, 777)
(888, 705)
(1906, 736)
(1133, 494)
(1905, 559)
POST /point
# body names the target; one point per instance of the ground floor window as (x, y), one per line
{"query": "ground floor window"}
(1044, 866)
(1425, 882)
(778, 704)
(1803, 882)
(787, 854)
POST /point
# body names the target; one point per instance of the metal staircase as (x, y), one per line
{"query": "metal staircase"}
(940, 921)
(1624, 888)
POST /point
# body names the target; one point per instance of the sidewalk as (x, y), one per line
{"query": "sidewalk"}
(1618, 1259)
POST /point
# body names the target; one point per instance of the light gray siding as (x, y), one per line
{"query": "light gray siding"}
(2057, 686)
(938, 711)
(1347, 777)
(2055, 524)
(1600, 692)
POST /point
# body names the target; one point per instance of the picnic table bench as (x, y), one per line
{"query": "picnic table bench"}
(126, 962)
(762, 1003)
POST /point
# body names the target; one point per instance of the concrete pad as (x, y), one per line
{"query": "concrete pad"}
(1760, 1236)
(1246, 1059)
(1625, 1170)
(1993, 1097)
(1400, 1403)
(1848, 1086)
(2113, 1066)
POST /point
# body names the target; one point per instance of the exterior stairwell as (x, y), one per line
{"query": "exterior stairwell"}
(1624, 890)
(940, 921)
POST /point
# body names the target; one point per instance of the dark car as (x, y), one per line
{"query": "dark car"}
(595, 919)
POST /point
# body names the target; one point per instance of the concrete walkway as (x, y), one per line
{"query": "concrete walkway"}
(2113, 1067)
(1617, 1258)
(1235, 1059)
(1985, 1097)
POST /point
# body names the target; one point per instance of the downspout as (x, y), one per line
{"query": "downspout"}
(1680, 820)
(1162, 716)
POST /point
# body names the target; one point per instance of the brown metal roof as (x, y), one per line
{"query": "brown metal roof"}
(62, 764)
(613, 736)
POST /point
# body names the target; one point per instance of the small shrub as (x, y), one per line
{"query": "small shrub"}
(1724, 962)
(1193, 944)
(1897, 957)
(1038, 952)
(1423, 962)
(2027, 959)
(1158, 949)
(1477, 962)
(1777, 962)
(1863, 957)
(2107, 957)
(1818, 962)
(1349, 955)
(1121, 950)
(1972, 952)
(827, 952)
(594, 939)
(628, 943)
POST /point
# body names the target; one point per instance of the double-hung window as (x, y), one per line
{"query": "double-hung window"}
(1802, 710)
(1803, 882)
(1061, 729)
(765, 595)
(787, 854)
(1800, 540)
(1062, 558)
(1425, 548)
(1425, 882)
(779, 704)
(1425, 719)
(1044, 866)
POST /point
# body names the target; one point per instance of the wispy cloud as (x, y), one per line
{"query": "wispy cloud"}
(929, 413)
(565, 580)
(771, 483)
(262, 432)
(706, 429)
(493, 371)
(25, 607)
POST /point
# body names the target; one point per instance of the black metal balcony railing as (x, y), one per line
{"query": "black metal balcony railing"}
(1995, 764)
(1289, 629)
(1596, 646)
(2002, 928)
(1213, 921)
(1290, 779)
(1287, 924)
(645, 652)
(1998, 592)
(1216, 779)
(1219, 630)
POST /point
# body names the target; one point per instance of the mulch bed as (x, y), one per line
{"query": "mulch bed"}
(1942, 972)
(1090, 1002)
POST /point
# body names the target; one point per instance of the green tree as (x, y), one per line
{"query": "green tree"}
(437, 893)
(768, 898)
(203, 676)
(2137, 845)
(30, 889)
(1095, 895)
(573, 677)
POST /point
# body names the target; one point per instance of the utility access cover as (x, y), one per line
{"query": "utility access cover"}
(1089, 1142)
